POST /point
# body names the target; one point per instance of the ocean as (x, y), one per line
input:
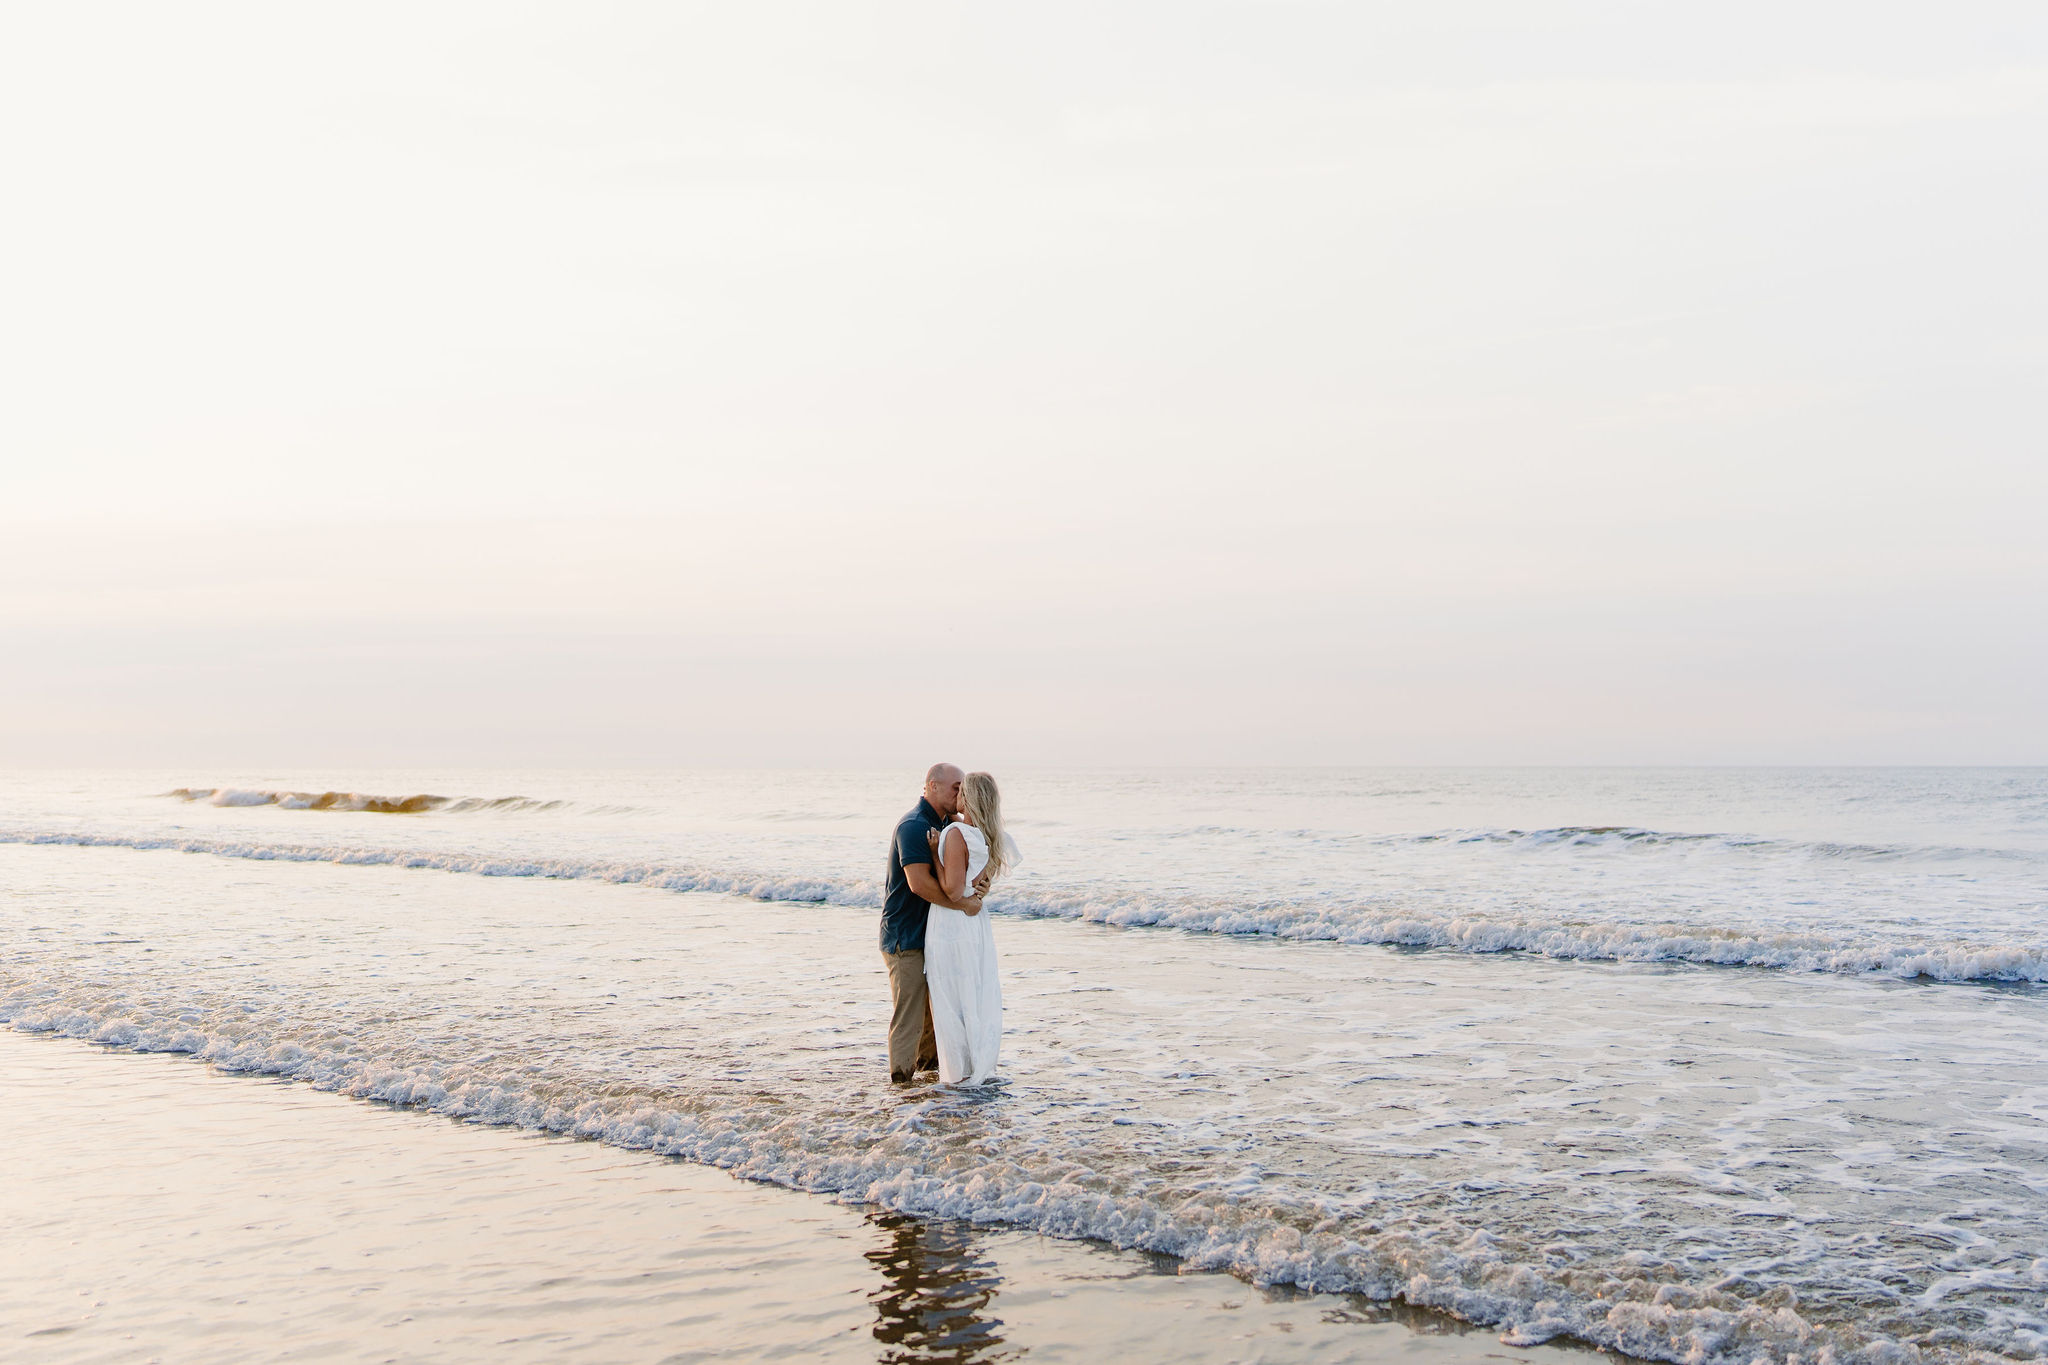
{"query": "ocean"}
(1698, 1064)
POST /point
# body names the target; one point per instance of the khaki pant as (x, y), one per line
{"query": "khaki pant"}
(912, 1045)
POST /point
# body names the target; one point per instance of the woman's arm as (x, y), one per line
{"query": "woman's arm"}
(953, 863)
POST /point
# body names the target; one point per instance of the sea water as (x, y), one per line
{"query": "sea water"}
(1706, 1065)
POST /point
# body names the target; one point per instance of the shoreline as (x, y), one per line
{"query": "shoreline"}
(162, 1206)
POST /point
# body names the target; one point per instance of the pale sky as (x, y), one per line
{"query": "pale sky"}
(1121, 383)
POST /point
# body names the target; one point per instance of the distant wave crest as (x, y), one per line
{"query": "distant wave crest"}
(1622, 837)
(357, 801)
(1327, 920)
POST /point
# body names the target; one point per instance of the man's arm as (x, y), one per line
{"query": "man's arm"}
(924, 884)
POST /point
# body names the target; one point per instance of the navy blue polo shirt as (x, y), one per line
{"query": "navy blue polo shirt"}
(903, 910)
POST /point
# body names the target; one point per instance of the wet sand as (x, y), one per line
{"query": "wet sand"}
(160, 1210)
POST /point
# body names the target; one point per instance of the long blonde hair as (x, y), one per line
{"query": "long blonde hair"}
(980, 799)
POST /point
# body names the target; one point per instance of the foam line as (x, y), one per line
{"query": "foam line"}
(895, 1159)
(1952, 960)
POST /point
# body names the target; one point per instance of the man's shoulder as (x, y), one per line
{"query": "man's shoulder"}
(916, 817)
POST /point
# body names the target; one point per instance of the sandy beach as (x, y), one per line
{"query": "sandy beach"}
(160, 1210)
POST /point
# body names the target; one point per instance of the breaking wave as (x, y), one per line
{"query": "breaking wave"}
(1632, 837)
(1345, 919)
(357, 801)
(1594, 838)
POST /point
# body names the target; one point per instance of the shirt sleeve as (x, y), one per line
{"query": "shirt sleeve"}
(911, 847)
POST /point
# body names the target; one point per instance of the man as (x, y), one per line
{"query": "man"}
(912, 889)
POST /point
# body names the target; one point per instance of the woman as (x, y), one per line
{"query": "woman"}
(960, 948)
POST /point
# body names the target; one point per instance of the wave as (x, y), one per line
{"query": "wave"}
(357, 801)
(1580, 836)
(942, 1158)
(1622, 837)
(1332, 919)
(1615, 839)
(1562, 837)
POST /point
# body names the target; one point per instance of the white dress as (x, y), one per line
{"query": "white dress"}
(960, 974)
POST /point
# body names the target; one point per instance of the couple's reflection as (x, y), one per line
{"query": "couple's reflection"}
(937, 1288)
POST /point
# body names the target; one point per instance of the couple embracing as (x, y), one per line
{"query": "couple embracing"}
(937, 943)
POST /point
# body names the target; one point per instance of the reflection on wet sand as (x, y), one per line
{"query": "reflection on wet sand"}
(938, 1286)
(940, 1282)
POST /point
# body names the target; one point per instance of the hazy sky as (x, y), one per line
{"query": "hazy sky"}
(1179, 382)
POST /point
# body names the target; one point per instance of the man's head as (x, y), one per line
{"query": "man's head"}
(942, 789)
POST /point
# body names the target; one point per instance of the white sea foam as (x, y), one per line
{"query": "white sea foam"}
(1323, 919)
(1247, 1228)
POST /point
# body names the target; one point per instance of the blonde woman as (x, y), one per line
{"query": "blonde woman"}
(960, 946)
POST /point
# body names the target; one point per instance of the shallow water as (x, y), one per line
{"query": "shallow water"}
(1263, 1022)
(158, 1210)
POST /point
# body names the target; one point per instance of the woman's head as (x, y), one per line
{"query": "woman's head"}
(983, 804)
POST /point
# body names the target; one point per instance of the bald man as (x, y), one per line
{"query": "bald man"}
(913, 888)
